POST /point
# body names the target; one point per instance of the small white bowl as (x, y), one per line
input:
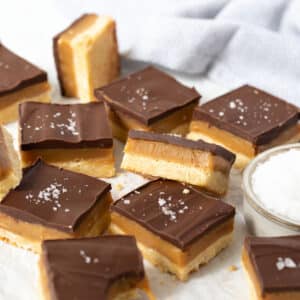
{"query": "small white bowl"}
(260, 221)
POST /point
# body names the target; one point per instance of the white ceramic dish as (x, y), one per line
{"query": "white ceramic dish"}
(260, 221)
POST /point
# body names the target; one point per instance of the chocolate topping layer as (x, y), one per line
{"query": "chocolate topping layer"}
(88, 268)
(175, 212)
(182, 142)
(249, 113)
(276, 261)
(148, 95)
(16, 73)
(52, 126)
(53, 197)
(55, 52)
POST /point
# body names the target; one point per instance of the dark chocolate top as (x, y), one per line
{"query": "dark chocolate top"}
(87, 268)
(147, 95)
(55, 52)
(175, 212)
(276, 261)
(249, 113)
(16, 73)
(53, 197)
(182, 142)
(51, 126)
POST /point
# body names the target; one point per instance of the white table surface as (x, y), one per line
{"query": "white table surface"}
(18, 268)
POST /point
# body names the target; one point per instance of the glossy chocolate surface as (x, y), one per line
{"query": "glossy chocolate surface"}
(16, 73)
(182, 142)
(87, 268)
(249, 113)
(53, 197)
(148, 95)
(175, 212)
(52, 126)
(276, 261)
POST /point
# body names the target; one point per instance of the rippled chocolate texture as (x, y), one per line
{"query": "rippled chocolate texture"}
(87, 268)
(53, 197)
(249, 113)
(17, 73)
(175, 212)
(276, 261)
(180, 141)
(147, 95)
(50, 126)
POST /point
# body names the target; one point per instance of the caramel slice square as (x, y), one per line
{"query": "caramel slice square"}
(53, 203)
(246, 121)
(76, 137)
(272, 265)
(148, 100)
(174, 157)
(20, 81)
(10, 167)
(178, 227)
(86, 56)
(104, 268)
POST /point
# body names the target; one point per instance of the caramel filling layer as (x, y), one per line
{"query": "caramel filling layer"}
(240, 145)
(177, 154)
(171, 123)
(177, 163)
(173, 253)
(256, 291)
(9, 103)
(88, 56)
(30, 235)
(95, 162)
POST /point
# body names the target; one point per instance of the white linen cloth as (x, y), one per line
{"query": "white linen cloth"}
(230, 41)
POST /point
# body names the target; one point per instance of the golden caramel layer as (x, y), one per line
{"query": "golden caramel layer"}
(94, 162)
(244, 150)
(9, 103)
(173, 259)
(177, 163)
(30, 236)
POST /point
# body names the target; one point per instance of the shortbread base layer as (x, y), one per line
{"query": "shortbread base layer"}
(176, 123)
(88, 57)
(244, 150)
(166, 256)
(30, 236)
(12, 175)
(203, 173)
(121, 290)
(255, 290)
(94, 162)
(9, 103)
